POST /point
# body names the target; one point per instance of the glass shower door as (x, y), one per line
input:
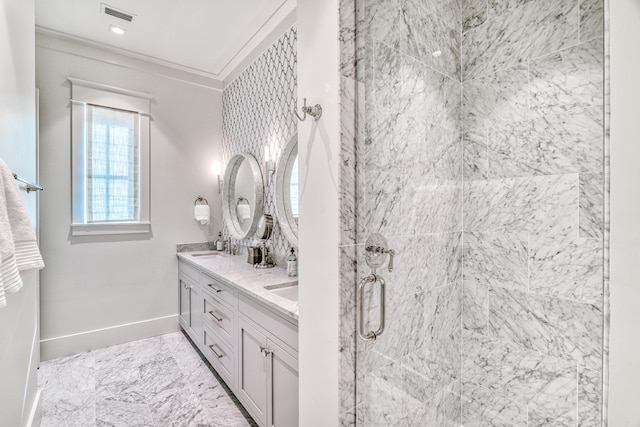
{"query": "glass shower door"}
(480, 159)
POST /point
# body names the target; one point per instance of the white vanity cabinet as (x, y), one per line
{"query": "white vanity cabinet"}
(268, 362)
(251, 346)
(189, 302)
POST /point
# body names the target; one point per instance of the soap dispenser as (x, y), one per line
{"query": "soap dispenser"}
(292, 264)
(219, 242)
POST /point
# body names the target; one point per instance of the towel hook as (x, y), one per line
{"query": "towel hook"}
(315, 111)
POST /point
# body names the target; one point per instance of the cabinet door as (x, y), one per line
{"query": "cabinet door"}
(185, 303)
(252, 364)
(283, 387)
(196, 311)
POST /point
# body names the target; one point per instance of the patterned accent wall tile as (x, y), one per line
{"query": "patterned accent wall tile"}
(257, 111)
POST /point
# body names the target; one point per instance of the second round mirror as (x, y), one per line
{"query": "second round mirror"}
(287, 191)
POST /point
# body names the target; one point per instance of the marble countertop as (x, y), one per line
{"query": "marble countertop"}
(235, 271)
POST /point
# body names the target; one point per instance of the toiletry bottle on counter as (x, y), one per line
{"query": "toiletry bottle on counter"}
(292, 264)
(219, 242)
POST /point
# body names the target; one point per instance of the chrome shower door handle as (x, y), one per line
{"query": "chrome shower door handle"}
(371, 335)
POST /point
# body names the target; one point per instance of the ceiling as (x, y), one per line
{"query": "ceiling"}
(211, 38)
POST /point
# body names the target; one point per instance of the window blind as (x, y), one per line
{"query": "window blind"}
(112, 165)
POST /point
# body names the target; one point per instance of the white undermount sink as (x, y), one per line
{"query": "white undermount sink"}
(285, 290)
(204, 254)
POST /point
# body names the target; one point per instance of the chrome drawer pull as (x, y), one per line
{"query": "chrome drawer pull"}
(218, 290)
(219, 319)
(218, 355)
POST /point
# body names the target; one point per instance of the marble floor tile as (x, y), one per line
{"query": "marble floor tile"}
(159, 381)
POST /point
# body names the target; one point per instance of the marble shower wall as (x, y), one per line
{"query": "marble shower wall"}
(402, 177)
(257, 110)
(533, 112)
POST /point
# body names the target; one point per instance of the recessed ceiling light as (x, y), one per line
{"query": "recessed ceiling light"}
(117, 30)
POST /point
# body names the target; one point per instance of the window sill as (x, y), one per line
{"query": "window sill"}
(110, 228)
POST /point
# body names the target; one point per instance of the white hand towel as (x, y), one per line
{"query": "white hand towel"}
(243, 211)
(18, 246)
(201, 214)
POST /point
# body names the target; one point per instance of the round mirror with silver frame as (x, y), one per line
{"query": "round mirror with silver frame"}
(286, 191)
(242, 195)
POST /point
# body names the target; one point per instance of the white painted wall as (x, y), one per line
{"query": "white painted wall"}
(319, 154)
(101, 292)
(624, 361)
(19, 399)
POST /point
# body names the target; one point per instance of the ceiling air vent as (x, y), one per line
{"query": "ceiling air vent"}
(116, 13)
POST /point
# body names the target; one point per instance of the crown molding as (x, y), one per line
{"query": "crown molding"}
(77, 46)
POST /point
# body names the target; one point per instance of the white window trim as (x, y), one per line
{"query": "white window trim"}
(84, 92)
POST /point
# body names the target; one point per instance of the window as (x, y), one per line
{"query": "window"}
(110, 161)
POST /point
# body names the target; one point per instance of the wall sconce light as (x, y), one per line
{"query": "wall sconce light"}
(217, 171)
(268, 161)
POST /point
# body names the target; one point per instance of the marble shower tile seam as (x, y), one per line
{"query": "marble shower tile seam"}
(497, 340)
(570, 9)
(454, 78)
(427, 121)
(528, 60)
(438, 391)
(529, 260)
(493, 18)
(446, 285)
(563, 49)
(566, 357)
(543, 295)
(509, 178)
(531, 175)
(497, 393)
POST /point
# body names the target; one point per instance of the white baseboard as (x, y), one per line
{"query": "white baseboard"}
(52, 348)
(36, 412)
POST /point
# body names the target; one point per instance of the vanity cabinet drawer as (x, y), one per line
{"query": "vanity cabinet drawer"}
(192, 273)
(218, 289)
(219, 353)
(276, 325)
(218, 317)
